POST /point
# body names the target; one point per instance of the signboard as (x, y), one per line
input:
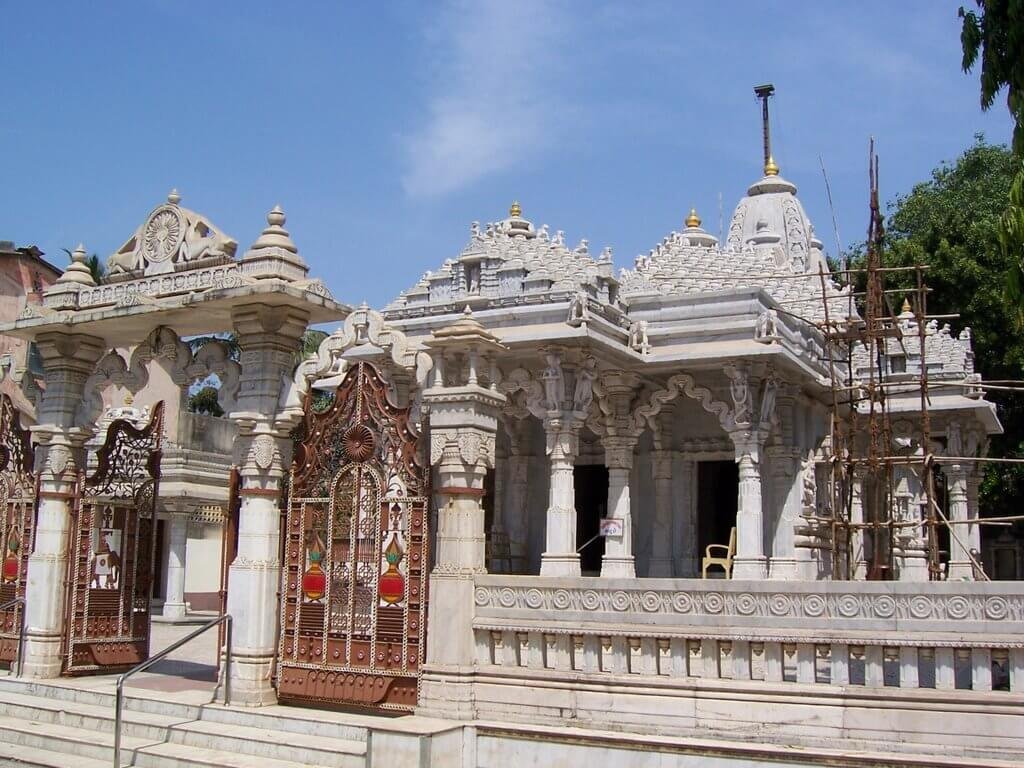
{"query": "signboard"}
(611, 526)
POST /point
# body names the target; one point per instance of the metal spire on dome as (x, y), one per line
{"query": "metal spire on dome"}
(764, 92)
(693, 220)
(516, 210)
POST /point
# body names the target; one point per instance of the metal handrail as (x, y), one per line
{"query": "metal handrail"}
(119, 697)
(21, 632)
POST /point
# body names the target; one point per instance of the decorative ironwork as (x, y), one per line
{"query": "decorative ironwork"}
(18, 510)
(111, 563)
(354, 578)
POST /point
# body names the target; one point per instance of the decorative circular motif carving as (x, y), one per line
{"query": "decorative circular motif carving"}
(590, 600)
(534, 598)
(620, 600)
(848, 606)
(780, 605)
(957, 607)
(481, 596)
(162, 235)
(885, 607)
(745, 604)
(920, 607)
(561, 599)
(651, 601)
(713, 602)
(997, 608)
(359, 442)
(507, 598)
(682, 603)
(814, 605)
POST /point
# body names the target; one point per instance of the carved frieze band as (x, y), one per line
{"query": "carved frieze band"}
(767, 604)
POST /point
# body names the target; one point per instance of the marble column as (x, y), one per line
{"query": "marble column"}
(618, 561)
(688, 554)
(560, 557)
(500, 554)
(788, 498)
(267, 337)
(68, 360)
(749, 562)
(174, 595)
(661, 538)
(463, 426)
(516, 514)
(858, 550)
(973, 537)
(960, 566)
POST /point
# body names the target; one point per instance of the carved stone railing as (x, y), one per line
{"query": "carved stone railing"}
(943, 636)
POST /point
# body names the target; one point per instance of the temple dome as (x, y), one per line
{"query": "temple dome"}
(771, 205)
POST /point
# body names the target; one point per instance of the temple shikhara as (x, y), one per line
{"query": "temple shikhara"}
(721, 503)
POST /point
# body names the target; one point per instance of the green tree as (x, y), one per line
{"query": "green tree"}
(205, 401)
(995, 36)
(952, 223)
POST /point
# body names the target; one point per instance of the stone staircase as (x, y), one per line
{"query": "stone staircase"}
(58, 726)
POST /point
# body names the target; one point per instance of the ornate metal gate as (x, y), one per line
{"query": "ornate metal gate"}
(354, 578)
(18, 508)
(112, 538)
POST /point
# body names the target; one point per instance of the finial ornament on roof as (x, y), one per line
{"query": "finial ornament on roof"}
(173, 197)
(516, 210)
(78, 271)
(905, 309)
(770, 167)
(275, 235)
(693, 220)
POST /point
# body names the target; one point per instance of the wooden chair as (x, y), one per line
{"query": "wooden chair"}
(724, 562)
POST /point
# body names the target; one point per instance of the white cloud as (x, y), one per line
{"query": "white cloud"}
(492, 99)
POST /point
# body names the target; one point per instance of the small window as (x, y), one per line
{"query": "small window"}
(473, 278)
(898, 364)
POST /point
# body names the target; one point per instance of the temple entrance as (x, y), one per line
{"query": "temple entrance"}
(717, 489)
(354, 589)
(590, 483)
(18, 508)
(111, 555)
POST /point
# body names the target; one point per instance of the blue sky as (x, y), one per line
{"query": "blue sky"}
(384, 129)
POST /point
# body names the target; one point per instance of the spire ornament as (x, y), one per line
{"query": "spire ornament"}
(693, 220)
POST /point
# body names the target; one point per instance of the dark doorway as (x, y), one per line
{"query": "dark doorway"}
(591, 485)
(717, 486)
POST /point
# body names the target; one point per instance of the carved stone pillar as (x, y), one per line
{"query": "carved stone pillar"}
(174, 595)
(858, 550)
(688, 555)
(516, 514)
(788, 497)
(749, 562)
(973, 536)
(68, 360)
(267, 337)
(463, 425)
(500, 554)
(661, 536)
(618, 561)
(960, 566)
(562, 442)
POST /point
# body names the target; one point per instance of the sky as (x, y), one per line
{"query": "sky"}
(385, 129)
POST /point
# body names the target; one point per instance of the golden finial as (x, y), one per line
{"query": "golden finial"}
(770, 168)
(128, 400)
(906, 307)
(693, 220)
(516, 210)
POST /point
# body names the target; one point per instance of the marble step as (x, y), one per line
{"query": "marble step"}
(306, 722)
(254, 743)
(19, 756)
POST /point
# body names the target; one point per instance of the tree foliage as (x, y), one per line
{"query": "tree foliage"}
(205, 401)
(952, 223)
(995, 37)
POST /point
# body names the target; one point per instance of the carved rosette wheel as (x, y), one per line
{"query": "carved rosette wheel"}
(358, 442)
(163, 234)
